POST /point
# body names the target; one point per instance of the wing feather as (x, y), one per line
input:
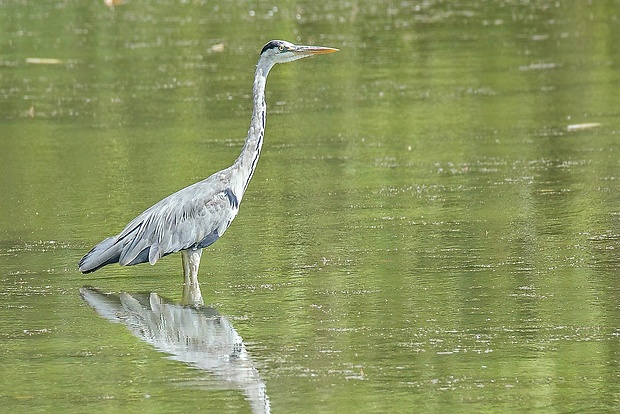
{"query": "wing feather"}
(175, 224)
(190, 218)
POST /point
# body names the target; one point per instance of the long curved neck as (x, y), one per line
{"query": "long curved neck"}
(247, 160)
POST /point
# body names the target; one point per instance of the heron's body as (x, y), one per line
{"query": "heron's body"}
(198, 215)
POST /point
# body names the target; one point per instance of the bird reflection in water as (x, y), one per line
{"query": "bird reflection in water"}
(190, 332)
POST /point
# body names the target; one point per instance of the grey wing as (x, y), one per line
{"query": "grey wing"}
(193, 217)
(190, 218)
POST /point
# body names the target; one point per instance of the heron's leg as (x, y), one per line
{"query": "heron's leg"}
(191, 287)
(191, 263)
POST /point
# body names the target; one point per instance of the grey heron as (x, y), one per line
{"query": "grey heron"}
(198, 215)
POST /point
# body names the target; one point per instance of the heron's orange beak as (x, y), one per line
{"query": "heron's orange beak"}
(314, 50)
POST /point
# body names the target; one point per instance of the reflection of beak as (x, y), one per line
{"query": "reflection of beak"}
(314, 50)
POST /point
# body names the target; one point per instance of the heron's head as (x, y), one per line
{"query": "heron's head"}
(281, 51)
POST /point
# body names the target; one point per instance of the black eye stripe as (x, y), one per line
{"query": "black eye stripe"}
(276, 45)
(270, 45)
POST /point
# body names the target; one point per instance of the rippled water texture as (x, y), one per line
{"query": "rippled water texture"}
(434, 224)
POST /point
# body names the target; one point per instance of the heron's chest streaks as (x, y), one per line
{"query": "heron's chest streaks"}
(257, 148)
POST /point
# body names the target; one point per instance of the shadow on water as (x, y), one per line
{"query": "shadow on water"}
(190, 332)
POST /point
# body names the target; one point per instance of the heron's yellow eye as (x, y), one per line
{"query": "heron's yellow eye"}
(281, 48)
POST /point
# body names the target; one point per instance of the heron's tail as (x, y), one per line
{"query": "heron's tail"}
(105, 253)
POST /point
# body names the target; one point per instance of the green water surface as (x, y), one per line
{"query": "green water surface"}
(434, 224)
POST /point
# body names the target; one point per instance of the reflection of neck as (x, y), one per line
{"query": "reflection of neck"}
(246, 163)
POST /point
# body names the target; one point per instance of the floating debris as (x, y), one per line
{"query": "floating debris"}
(539, 66)
(43, 61)
(112, 3)
(579, 127)
(218, 47)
